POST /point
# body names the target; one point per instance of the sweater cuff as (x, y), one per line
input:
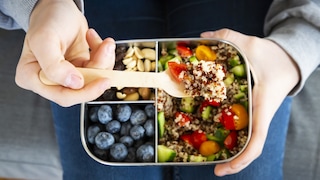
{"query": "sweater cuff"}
(300, 40)
(16, 14)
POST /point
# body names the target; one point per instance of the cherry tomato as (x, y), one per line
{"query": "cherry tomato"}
(227, 119)
(235, 117)
(205, 53)
(198, 137)
(176, 69)
(186, 138)
(184, 51)
(241, 120)
(208, 148)
(231, 140)
(183, 118)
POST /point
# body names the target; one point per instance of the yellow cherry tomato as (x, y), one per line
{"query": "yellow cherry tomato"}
(205, 53)
(241, 118)
(208, 148)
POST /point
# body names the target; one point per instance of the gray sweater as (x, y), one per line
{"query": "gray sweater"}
(293, 24)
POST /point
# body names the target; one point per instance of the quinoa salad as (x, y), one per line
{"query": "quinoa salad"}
(147, 126)
(211, 124)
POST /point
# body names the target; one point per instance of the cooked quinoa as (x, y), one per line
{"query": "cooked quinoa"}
(203, 80)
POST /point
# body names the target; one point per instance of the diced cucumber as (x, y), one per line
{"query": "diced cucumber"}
(165, 154)
(206, 114)
(214, 156)
(193, 60)
(234, 61)
(199, 158)
(161, 122)
(160, 67)
(164, 59)
(244, 88)
(173, 52)
(239, 95)
(187, 104)
(239, 70)
(229, 79)
(175, 59)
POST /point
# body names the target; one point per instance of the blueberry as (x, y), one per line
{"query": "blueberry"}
(118, 151)
(150, 110)
(102, 154)
(123, 112)
(113, 126)
(138, 116)
(137, 132)
(126, 140)
(93, 114)
(131, 157)
(125, 129)
(105, 114)
(104, 140)
(149, 127)
(92, 131)
(145, 153)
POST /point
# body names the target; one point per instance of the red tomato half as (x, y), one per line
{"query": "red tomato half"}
(175, 69)
(186, 138)
(227, 119)
(184, 51)
(198, 137)
(231, 140)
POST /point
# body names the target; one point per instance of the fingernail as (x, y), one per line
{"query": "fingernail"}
(207, 34)
(73, 81)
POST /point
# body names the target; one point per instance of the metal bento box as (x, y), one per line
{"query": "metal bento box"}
(147, 126)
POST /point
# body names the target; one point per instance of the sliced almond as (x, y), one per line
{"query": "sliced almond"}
(147, 65)
(138, 52)
(140, 65)
(129, 52)
(131, 64)
(149, 53)
(126, 61)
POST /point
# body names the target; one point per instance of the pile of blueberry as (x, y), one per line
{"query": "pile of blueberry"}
(122, 132)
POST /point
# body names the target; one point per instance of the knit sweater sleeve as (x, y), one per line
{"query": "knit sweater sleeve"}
(295, 26)
(15, 14)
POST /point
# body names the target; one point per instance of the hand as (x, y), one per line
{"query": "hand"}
(275, 75)
(58, 39)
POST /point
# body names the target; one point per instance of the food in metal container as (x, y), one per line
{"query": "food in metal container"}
(127, 126)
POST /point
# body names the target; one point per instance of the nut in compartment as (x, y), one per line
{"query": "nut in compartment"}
(213, 125)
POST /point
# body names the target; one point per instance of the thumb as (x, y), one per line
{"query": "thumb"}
(49, 52)
(65, 74)
(229, 35)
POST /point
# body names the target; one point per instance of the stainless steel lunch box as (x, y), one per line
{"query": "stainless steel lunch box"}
(158, 45)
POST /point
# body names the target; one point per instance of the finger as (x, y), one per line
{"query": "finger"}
(67, 97)
(49, 52)
(93, 39)
(103, 57)
(237, 38)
